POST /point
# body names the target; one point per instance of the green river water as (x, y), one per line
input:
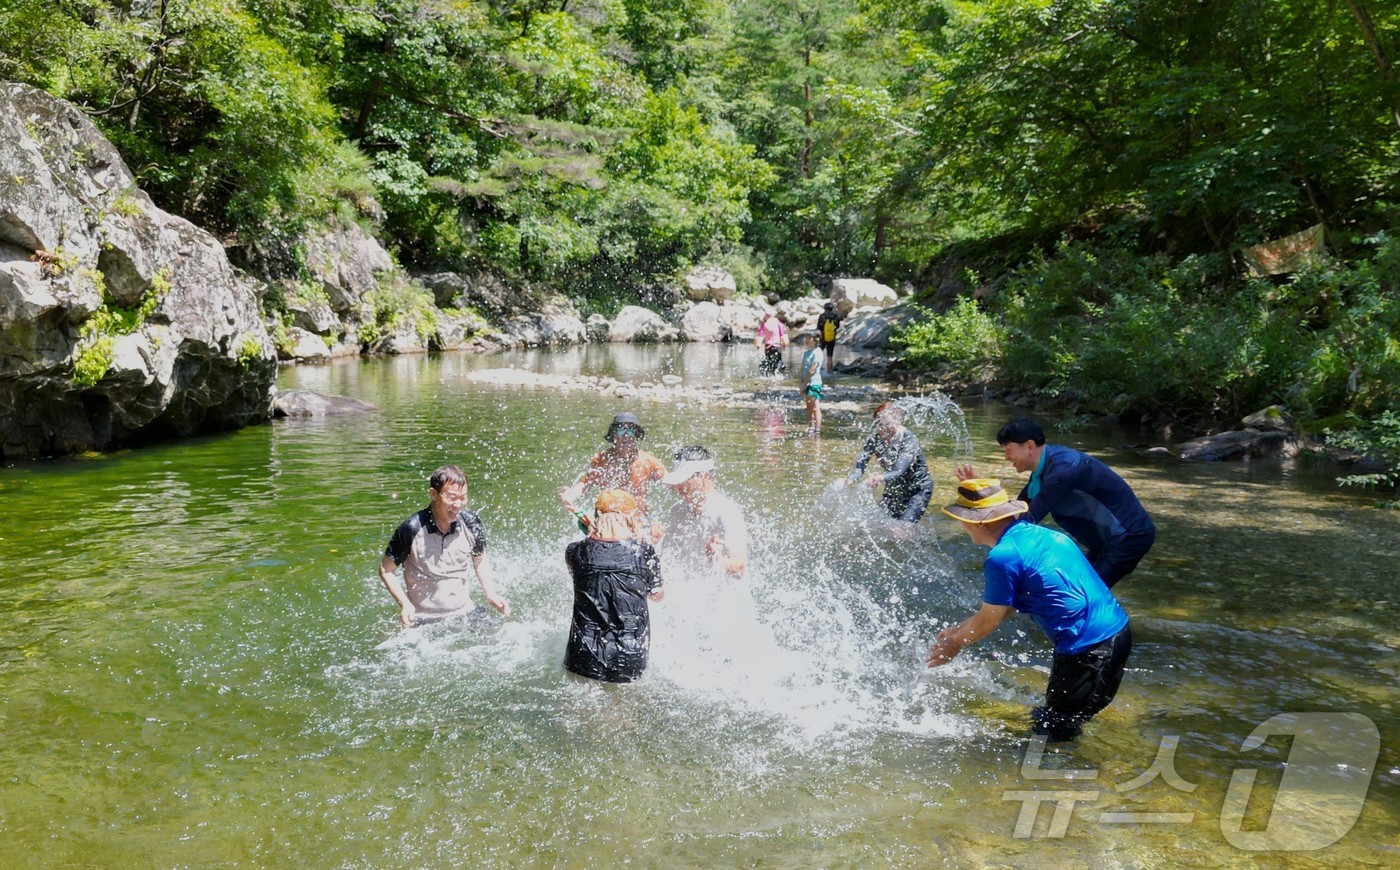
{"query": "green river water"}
(200, 667)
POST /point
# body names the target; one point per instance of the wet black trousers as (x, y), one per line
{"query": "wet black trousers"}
(772, 361)
(1081, 685)
(1121, 556)
(908, 507)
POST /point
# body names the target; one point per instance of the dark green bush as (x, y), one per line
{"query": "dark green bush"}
(964, 340)
(1378, 439)
(1109, 331)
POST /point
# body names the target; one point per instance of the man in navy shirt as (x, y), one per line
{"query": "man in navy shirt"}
(1041, 572)
(1085, 497)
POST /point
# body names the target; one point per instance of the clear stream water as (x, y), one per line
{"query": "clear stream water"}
(199, 665)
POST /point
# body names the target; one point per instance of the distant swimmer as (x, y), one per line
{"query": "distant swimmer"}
(615, 575)
(706, 527)
(1041, 572)
(440, 549)
(1086, 498)
(908, 483)
(623, 466)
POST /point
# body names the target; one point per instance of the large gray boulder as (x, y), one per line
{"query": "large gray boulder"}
(1238, 445)
(1274, 417)
(456, 331)
(800, 314)
(741, 318)
(636, 324)
(79, 244)
(557, 322)
(710, 284)
(301, 404)
(850, 294)
(308, 346)
(872, 327)
(598, 327)
(701, 322)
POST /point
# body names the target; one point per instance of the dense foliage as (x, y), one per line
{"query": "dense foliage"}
(1098, 165)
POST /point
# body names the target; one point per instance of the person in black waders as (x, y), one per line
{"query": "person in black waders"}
(615, 574)
(908, 483)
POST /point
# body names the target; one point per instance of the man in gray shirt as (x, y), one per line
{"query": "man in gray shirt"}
(439, 548)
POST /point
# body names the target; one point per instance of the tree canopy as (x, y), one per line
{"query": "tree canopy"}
(605, 145)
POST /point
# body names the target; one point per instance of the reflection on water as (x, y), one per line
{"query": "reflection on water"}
(202, 666)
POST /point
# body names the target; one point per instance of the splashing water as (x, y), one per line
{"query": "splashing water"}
(822, 643)
(796, 651)
(937, 415)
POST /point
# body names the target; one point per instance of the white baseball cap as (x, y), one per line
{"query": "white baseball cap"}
(686, 469)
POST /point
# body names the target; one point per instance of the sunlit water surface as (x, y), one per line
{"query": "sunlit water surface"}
(200, 665)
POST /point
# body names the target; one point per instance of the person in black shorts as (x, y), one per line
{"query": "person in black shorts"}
(615, 575)
(828, 322)
(1040, 572)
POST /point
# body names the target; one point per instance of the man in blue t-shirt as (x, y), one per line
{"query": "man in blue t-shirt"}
(1086, 498)
(1041, 572)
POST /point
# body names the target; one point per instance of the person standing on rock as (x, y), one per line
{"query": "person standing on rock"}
(440, 549)
(623, 466)
(828, 322)
(1086, 498)
(771, 338)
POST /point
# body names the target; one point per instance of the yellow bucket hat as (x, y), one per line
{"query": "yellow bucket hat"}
(982, 500)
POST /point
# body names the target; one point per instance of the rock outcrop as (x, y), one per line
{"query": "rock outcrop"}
(557, 322)
(486, 293)
(1238, 445)
(118, 322)
(642, 325)
(710, 284)
(302, 404)
(850, 294)
(307, 346)
(1266, 432)
(800, 315)
(872, 327)
(347, 262)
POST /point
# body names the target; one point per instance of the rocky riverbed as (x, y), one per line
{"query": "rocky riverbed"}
(672, 390)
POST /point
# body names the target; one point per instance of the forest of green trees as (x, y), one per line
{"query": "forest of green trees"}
(1091, 168)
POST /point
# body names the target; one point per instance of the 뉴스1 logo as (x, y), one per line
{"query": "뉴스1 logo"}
(1319, 799)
